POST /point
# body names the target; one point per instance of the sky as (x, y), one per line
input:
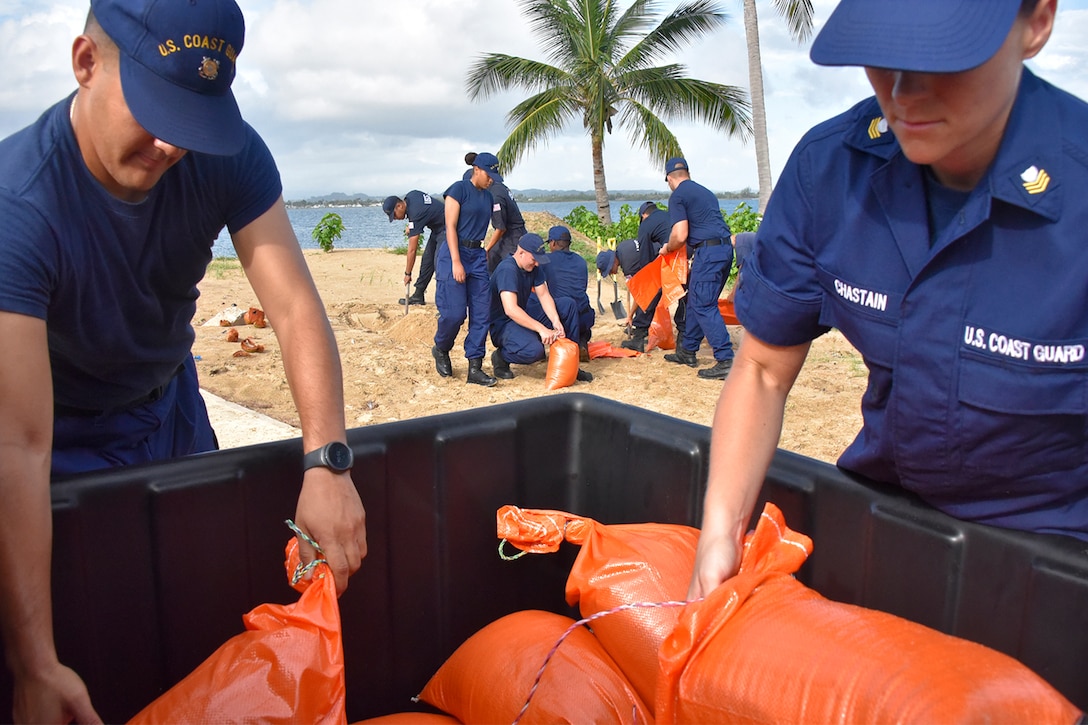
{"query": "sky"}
(368, 97)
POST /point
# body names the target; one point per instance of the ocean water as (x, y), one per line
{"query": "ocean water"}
(367, 227)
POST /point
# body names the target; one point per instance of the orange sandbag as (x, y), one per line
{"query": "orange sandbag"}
(728, 313)
(618, 565)
(600, 348)
(288, 667)
(562, 364)
(661, 333)
(645, 284)
(490, 677)
(410, 718)
(677, 263)
(794, 656)
(671, 285)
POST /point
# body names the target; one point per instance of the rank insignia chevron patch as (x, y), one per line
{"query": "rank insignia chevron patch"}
(878, 127)
(1035, 180)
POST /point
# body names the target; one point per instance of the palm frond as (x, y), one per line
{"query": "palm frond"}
(649, 132)
(636, 21)
(532, 122)
(555, 26)
(680, 28)
(498, 72)
(798, 17)
(725, 108)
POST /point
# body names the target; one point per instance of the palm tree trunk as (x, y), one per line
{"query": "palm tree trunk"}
(759, 111)
(600, 188)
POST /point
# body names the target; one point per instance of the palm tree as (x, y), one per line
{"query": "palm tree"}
(798, 15)
(603, 72)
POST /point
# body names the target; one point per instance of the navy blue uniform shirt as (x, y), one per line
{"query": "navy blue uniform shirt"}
(509, 277)
(475, 215)
(568, 276)
(424, 212)
(978, 381)
(116, 281)
(505, 214)
(653, 234)
(698, 205)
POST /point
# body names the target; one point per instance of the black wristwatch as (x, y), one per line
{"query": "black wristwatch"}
(334, 456)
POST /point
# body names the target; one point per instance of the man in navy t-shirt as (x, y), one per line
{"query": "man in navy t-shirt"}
(632, 255)
(697, 221)
(568, 276)
(111, 202)
(423, 211)
(507, 223)
(518, 335)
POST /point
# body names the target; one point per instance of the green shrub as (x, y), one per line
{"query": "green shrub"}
(743, 219)
(328, 230)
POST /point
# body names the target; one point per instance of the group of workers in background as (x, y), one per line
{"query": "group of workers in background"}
(545, 295)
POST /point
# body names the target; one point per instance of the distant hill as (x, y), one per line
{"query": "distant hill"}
(339, 198)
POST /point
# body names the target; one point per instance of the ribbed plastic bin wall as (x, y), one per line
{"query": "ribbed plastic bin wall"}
(154, 565)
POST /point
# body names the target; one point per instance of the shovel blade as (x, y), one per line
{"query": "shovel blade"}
(617, 306)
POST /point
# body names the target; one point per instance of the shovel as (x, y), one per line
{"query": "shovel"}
(628, 329)
(406, 286)
(600, 307)
(617, 305)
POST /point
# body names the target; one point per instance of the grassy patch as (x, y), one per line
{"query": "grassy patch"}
(219, 266)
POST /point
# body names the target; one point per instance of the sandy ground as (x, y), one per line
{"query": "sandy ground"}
(389, 374)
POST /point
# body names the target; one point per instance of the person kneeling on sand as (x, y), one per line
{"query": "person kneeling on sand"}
(519, 336)
(568, 277)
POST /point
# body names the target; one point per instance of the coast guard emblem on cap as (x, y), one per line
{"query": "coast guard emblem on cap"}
(209, 69)
(878, 127)
(1035, 180)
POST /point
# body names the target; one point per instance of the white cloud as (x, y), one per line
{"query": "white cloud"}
(369, 97)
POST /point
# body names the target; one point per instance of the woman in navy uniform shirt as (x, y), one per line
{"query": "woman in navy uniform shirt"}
(940, 226)
(461, 269)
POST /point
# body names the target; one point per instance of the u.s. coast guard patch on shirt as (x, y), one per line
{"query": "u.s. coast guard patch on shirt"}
(999, 344)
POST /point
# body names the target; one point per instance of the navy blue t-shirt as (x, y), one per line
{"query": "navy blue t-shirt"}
(630, 257)
(424, 211)
(653, 234)
(505, 214)
(475, 215)
(567, 276)
(698, 205)
(509, 277)
(115, 281)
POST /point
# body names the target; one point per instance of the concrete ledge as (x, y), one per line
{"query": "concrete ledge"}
(237, 426)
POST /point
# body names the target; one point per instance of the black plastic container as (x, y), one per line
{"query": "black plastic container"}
(154, 565)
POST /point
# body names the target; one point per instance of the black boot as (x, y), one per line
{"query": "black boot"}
(416, 298)
(501, 367)
(584, 376)
(442, 362)
(476, 374)
(683, 357)
(718, 371)
(637, 341)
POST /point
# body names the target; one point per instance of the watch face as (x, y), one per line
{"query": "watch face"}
(339, 456)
